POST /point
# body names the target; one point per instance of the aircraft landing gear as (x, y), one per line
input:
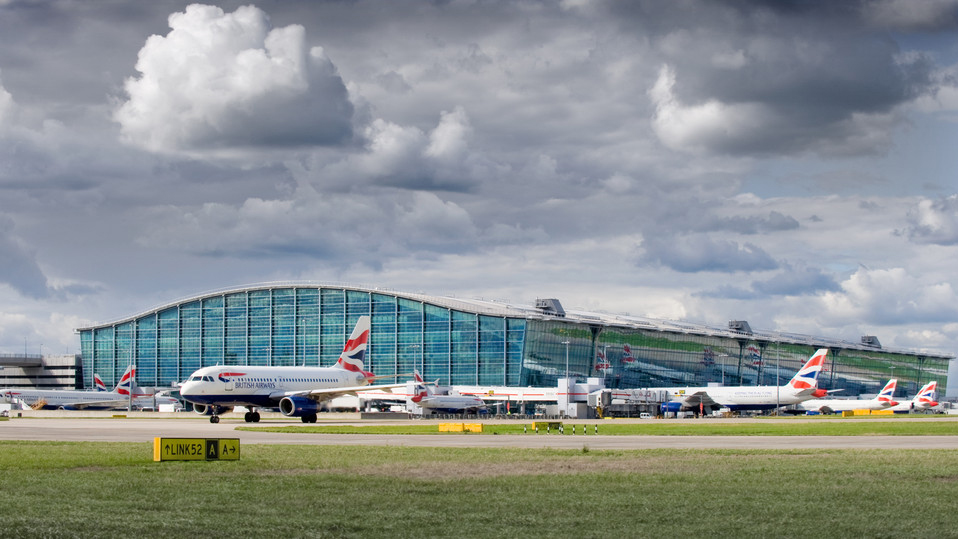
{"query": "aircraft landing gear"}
(251, 417)
(308, 418)
(214, 419)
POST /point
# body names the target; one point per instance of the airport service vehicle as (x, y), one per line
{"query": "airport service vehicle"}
(884, 399)
(925, 399)
(803, 386)
(296, 391)
(98, 399)
(425, 397)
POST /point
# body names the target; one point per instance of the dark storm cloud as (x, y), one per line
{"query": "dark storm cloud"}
(18, 267)
(752, 79)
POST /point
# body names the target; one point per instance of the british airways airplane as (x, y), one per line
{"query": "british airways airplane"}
(98, 399)
(924, 400)
(803, 386)
(884, 399)
(297, 391)
(425, 397)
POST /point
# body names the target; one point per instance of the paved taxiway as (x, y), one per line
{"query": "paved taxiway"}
(145, 429)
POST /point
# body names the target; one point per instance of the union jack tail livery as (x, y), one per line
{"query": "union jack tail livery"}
(805, 380)
(887, 394)
(355, 350)
(926, 395)
(98, 382)
(420, 390)
(126, 381)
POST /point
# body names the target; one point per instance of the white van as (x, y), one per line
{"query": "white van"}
(645, 415)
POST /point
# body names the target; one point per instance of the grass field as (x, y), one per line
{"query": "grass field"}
(891, 426)
(115, 489)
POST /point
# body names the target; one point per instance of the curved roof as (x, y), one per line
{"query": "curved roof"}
(507, 309)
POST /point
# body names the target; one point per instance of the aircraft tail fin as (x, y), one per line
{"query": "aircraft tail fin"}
(126, 383)
(98, 382)
(421, 390)
(805, 381)
(926, 395)
(887, 394)
(355, 350)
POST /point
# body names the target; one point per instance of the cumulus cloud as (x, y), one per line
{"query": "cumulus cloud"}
(750, 123)
(888, 296)
(934, 221)
(701, 253)
(792, 280)
(221, 81)
(408, 158)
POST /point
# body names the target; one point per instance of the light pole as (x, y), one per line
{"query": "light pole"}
(777, 386)
(566, 343)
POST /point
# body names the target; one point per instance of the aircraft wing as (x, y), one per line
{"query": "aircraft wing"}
(111, 403)
(332, 393)
(699, 399)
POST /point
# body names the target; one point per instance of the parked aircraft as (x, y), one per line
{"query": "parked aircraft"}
(425, 397)
(98, 399)
(925, 399)
(297, 391)
(884, 399)
(803, 386)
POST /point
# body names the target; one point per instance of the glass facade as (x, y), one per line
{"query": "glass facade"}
(309, 325)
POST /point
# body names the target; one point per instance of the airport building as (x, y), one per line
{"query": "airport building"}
(476, 343)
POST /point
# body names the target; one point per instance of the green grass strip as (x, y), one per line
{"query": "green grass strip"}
(116, 490)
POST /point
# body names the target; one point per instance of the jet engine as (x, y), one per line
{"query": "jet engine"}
(671, 406)
(296, 406)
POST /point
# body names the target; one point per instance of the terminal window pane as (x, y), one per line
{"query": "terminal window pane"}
(146, 366)
(169, 332)
(190, 332)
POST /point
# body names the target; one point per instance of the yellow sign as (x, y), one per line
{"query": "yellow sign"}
(196, 449)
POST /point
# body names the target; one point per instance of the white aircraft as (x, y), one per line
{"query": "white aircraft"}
(98, 399)
(425, 397)
(884, 399)
(297, 391)
(924, 400)
(803, 386)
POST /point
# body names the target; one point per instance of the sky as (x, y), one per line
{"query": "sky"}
(788, 163)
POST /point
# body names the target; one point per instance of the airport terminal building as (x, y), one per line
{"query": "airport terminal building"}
(475, 342)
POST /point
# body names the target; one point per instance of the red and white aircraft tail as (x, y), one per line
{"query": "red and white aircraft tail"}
(354, 353)
(887, 394)
(805, 381)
